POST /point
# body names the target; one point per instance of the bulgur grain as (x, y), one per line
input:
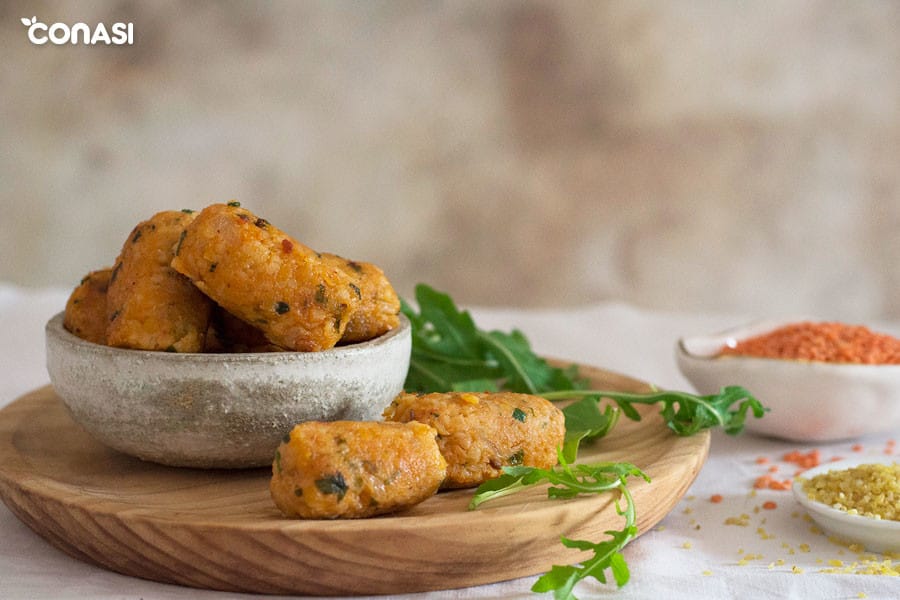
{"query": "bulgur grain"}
(871, 490)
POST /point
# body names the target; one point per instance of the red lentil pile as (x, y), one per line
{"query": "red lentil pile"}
(824, 342)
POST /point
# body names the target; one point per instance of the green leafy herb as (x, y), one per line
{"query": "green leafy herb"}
(519, 415)
(334, 484)
(321, 294)
(568, 481)
(586, 422)
(450, 353)
(180, 241)
(684, 413)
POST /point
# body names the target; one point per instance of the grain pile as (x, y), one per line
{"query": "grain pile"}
(871, 490)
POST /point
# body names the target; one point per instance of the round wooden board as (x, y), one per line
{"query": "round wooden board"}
(220, 530)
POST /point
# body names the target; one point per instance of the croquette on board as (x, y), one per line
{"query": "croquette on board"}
(480, 433)
(355, 469)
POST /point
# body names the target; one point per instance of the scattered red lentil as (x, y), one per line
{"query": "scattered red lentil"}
(770, 505)
(762, 460)
(769, 482)
(806, 461)
(715, 498)
(856, 447)
(823, 342)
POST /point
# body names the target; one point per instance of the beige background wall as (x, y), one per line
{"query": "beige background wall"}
(690, 156)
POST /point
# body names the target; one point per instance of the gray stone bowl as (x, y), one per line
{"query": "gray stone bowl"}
(219, 410)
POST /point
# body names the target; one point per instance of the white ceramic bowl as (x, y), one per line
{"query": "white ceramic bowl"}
(809, 401)
(219, 410)
(874, 534)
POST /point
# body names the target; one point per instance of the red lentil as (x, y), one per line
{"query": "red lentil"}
(715, 498)
(824, 342)
(806, 461)
(770, 505)
(769, 482)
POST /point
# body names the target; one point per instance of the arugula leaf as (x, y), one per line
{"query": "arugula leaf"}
(684, 413)
(570, 481)
(585, 422)
(450, 353)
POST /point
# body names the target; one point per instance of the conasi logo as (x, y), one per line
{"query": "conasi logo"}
(80, 33)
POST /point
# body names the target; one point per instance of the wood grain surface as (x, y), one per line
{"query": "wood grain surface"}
(220, 530)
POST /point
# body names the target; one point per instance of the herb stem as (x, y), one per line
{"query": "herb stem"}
(727, 409)
(639, 398)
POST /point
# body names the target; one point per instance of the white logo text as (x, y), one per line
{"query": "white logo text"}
(80, 33)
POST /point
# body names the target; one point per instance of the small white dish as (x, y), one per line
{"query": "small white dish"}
(219, 410)
(808, 401)
(876, 535)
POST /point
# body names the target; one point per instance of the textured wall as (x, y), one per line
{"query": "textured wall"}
(681, 155)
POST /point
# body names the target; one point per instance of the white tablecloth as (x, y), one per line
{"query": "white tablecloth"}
(691, 554)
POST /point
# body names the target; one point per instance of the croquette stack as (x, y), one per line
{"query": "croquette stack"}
(226, 280)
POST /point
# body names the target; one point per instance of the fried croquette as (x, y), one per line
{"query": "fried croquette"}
(379, 308)
(85, 314)
(261, 275)
(149, 305)
(479, 433)
(355, 469)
